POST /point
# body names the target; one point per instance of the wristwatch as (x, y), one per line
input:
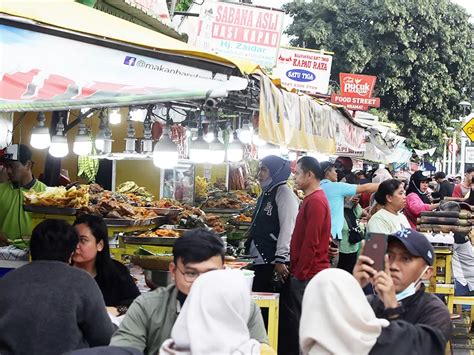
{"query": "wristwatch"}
(393, 313)
(121, 310)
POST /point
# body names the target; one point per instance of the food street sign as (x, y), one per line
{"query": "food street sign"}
(304, 70)
(240, 31)
(355, 103)
(356, 92)
(469, 129)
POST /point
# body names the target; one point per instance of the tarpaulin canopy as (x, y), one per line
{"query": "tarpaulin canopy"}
(45, 67)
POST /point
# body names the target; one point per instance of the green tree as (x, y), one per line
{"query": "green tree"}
(420, 51)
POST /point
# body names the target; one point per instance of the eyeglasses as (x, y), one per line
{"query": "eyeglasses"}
(189, 276)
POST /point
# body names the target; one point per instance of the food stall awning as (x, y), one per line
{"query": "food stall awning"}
(65, 55)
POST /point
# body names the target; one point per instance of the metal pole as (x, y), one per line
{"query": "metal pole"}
(453, 167)
(444, 156)
(463, 154)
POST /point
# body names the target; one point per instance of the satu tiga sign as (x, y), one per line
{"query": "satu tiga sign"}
(304, 70)
(240, 31)
(356, 92)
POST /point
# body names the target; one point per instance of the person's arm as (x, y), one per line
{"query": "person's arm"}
(287, 204)
(132, 332)
(403, 337)
(96, 325)
(371, 187)
(415, 205)
(255, 324)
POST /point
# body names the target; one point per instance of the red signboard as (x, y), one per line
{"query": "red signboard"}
(350, 102)
(357, 85)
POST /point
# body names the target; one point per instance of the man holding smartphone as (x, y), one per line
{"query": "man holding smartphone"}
(400, 293)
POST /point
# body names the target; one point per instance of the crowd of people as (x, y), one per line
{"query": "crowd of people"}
(334, 299)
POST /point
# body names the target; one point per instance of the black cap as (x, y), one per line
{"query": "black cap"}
(17, 152)
(325, 166)
(419, 176)
(416, 243)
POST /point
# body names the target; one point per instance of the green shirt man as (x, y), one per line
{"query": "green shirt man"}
(15, 223)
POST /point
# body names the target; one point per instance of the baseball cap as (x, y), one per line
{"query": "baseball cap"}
(16, 152)
(326, 165)
(416, 243)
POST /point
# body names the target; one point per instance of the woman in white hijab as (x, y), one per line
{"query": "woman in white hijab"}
(336, 316)
(214, 318)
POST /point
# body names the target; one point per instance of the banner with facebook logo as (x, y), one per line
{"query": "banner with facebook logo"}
(35, 77)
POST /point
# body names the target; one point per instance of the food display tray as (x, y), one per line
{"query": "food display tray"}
(118, 222)
(221, 210)
(159, 241)
(65, 211)
(170, 212)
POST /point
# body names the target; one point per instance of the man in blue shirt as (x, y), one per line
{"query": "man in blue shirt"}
(335, 193)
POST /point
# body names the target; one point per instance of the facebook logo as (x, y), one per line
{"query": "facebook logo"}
(130, 61)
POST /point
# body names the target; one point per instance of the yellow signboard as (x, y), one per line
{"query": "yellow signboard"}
(469, 129)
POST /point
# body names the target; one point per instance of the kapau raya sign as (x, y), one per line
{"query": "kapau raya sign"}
(240, 31)
(356, 92)
(304, 70)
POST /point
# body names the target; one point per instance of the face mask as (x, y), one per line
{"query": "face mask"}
(411, 289)
(266, 183)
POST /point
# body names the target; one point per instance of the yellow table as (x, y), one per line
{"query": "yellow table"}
(442, 282)
(272, 302)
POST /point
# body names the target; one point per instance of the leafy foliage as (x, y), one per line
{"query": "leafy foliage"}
(420, 52)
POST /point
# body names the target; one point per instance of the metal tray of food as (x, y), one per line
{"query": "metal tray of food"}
(221, 210)
(119, 222)
(170, 212)
(65, 211)
(158, 241)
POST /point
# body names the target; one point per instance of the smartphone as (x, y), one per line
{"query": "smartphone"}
(376, 248)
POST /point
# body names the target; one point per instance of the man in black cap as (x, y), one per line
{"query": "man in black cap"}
(14, 221)
(445, 188)
(400, 293)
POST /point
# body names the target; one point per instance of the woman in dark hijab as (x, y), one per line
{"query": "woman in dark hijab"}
(418, 199)
(272, 224)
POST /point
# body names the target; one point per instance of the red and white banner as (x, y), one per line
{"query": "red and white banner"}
(305, 70)
(355, 103)
(33, 77)
(240, 31)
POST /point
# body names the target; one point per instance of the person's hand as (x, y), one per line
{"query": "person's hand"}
(3, 174)
(355, 200)
(384, 286)
(113, 311)
(333, 251)
(363, 271)
(282, 270)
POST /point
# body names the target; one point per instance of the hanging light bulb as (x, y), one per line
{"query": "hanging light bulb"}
(198, 149)
(114, 116)
(147, 141)
(130, 140)
(235, 150)
(40, 137)
(268, 149)
(245, 133)
(104, 133)
(82, 143)
(59, 147)
(165, 153)
(257, 141)
(216, 150)
(136, 114)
